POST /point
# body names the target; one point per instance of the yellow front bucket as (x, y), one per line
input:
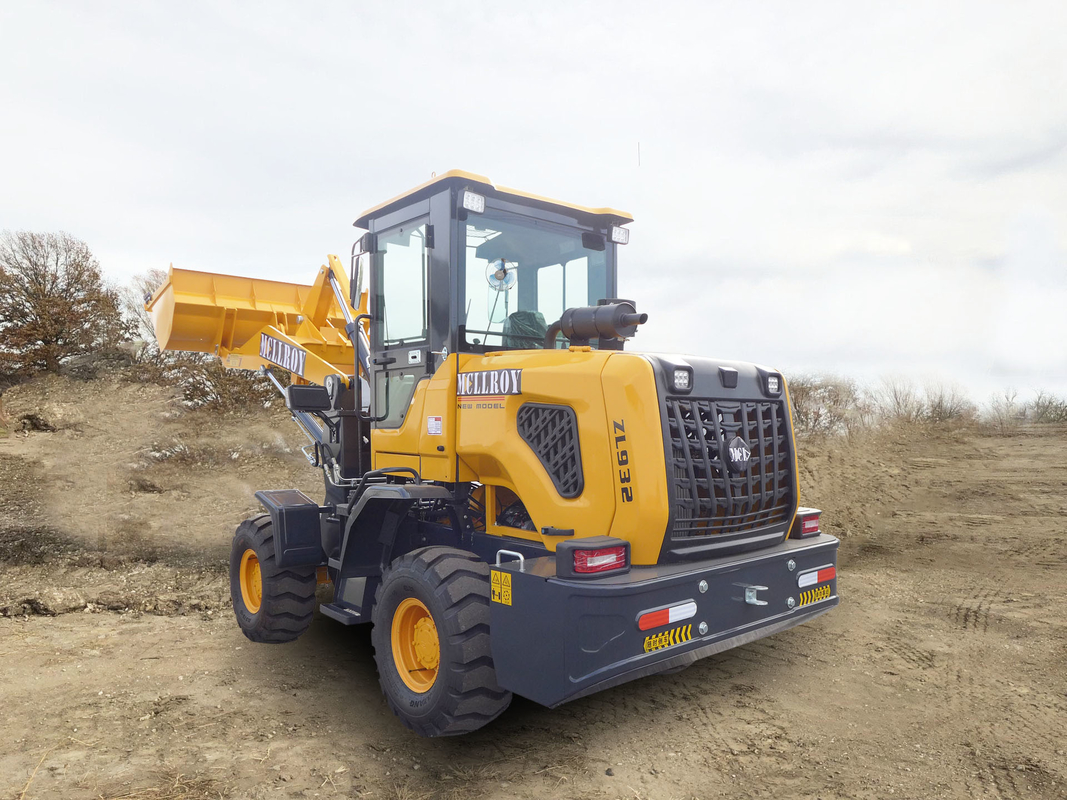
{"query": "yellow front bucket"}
(226, 315)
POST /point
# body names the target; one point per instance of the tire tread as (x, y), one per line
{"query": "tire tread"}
(444, 568)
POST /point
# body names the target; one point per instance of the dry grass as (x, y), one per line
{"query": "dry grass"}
(174, 786)
(825, 405)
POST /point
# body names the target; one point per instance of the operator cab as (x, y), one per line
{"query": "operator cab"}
(520, 261)
(461, 265)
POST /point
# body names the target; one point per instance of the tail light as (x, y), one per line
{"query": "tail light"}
(806, 524)
(606, 560)
(592, 557)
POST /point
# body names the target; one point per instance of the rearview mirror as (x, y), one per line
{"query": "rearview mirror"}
(307, 397)
(361, 252)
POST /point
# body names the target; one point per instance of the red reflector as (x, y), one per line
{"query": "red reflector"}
(586, 561)
(812, 577)
(810, 524)
(654, 619)
(665, 616)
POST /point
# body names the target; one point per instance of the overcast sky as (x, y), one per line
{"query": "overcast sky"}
(821, 187)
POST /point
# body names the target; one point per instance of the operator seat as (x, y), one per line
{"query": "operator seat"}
(525, 330)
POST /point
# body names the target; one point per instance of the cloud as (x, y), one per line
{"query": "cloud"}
(856, 175)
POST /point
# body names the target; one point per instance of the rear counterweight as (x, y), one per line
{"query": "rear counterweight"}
(555, 640)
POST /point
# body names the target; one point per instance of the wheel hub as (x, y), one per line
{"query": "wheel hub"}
(251, 581)
(416, 646)
(427, 648)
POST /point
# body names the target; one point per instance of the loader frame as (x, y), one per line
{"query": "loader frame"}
(557, 635)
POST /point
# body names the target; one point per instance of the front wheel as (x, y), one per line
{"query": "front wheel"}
(271, 605)
(431, 642)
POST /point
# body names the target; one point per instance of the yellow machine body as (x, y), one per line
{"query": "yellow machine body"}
(614, 398)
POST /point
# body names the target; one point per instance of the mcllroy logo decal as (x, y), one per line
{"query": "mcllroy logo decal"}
(282, 353)
(490, 383)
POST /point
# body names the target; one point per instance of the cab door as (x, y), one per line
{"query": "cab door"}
(400, 343)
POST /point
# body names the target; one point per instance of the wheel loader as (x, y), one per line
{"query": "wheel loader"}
(516, 503)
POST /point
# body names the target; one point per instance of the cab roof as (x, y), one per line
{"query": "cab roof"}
(480, 183)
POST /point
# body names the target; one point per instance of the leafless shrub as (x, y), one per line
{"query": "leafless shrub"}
(1046, 408)
(1005, 412)
(896, 399)
(204, 382)
(134, 296)
(947, 403)
(826, 405)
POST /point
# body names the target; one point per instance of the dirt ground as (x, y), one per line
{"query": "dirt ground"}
(123, 675)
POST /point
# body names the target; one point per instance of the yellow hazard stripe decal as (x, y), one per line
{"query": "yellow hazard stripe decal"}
(815, 595)
(658, 641)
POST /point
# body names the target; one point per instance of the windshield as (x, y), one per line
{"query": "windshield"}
(521, 274)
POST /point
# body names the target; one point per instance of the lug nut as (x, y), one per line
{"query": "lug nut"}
(703, 586)
(790, 602)
(703, 628)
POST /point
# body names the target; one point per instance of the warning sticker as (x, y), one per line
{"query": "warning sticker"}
(501, 587)
(433, 426)
(658, 641)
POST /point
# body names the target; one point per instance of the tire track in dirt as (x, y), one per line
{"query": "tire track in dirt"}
(1008, 711)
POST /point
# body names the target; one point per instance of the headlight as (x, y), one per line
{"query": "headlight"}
(683, 380)
(774, 384)
(620, 235)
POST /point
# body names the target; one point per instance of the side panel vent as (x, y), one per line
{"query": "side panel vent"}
(552, 433)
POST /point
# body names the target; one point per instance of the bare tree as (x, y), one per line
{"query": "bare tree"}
(1047, 408)
(134, 297)
(54, 303)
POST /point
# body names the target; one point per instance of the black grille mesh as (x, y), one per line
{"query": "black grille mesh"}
(708, 499)
(552, 433)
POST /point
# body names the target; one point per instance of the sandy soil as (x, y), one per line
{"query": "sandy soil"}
(123, 675)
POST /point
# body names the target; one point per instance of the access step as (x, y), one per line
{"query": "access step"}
(344, 615)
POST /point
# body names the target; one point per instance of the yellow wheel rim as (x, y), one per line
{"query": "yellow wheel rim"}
(251, 582)
(416, 648)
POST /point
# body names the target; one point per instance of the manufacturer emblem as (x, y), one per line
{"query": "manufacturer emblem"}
(283, 354)
(738, 454)
(489, 383)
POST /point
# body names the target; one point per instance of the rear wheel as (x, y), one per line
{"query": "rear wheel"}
(271, 605)
(431, 642)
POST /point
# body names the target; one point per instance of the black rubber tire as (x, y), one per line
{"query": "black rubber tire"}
(454, 587)
(288, 603)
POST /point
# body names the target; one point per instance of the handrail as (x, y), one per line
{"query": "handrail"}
(378, 473)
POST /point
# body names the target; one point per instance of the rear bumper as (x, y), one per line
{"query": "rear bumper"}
(558, 639)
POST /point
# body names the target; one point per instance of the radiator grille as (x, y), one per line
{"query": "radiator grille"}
(552, 433)
(707, 498)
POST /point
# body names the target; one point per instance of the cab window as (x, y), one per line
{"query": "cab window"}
(521, 274)
(401, 286)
